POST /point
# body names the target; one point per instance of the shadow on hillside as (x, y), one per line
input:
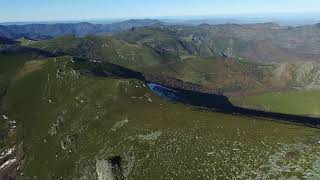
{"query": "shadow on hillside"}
(187, 93)
(221, 103)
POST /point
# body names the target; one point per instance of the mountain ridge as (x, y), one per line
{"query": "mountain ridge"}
(48, 31)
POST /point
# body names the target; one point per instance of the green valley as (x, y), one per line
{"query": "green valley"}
(291, 102)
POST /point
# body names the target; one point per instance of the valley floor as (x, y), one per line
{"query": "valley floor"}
(304, 102)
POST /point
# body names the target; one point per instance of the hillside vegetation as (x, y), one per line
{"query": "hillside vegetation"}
(290, 102)
(87, 107)
(256, 42)
(229, 75)
(104, 48)
(78, 127)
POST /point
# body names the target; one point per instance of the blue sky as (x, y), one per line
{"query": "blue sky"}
(46, 10)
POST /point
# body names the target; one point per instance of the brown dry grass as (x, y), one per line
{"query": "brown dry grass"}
(30, 67)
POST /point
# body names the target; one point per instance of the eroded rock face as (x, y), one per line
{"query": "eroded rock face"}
(104, 170)
(299, 75)
(109, 169)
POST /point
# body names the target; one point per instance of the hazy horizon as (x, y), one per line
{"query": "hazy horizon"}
(282, 19)
(84, 10)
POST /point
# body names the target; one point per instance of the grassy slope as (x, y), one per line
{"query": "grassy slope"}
(10, 65)
(291, 102)
(228, 75)
(233, 77)
(107, 49)
(97, 118)
(12, 61)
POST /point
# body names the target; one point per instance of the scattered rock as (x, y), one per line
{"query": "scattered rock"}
(6, 153)
(148, 97)
(5, 117)
(8, 163)
(109, 169)
(104, 170)
(58, 123)
(63, 145)
(119, 124)
(68, 143)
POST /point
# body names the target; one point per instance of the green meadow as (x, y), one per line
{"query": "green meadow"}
(304, 102)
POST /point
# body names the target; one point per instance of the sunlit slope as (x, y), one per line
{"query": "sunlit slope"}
(72, 124)
(26, 41)
(236, 76)
(231, 76)
(107, 49)
(228, 75)
(13, 58)
(290, 102)
(11, 62)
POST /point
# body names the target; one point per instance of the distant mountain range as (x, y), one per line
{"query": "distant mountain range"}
(264, 42)
(260, 42)
(48, 31)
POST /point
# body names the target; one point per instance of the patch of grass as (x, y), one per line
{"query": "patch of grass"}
(10, 65)
(304, 102)
(25, 41)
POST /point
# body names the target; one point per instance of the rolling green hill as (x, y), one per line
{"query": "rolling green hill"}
(230, 75)
(104, 48)
(234, 77)
(12, 60)
(81, 107)
(76, 126)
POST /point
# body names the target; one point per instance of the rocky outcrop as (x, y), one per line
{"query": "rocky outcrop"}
(109, 169)
(299, 75)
